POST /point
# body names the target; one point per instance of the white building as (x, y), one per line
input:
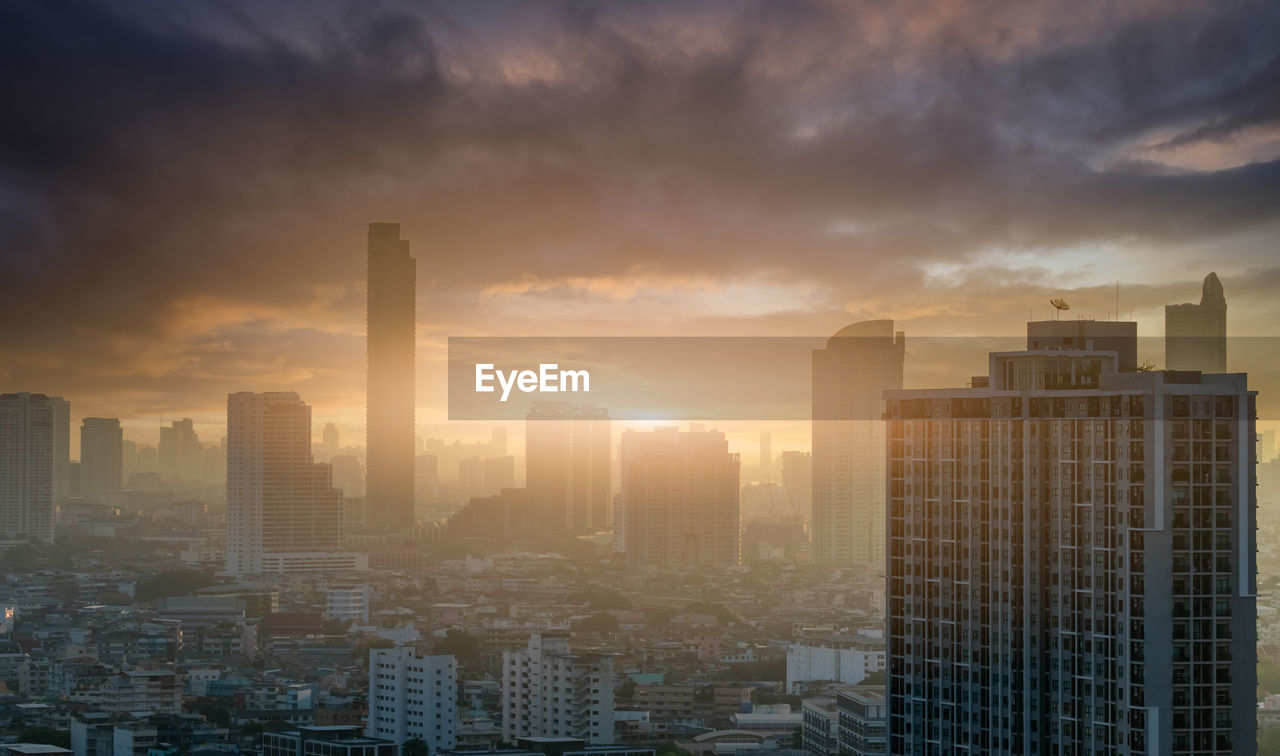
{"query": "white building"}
(549, 692)
(412, 696)
(283, 512)
(842, 658)
(347, 601)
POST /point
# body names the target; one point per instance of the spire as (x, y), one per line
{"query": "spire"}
(1211, 292)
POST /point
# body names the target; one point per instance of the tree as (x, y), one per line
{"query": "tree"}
(463, 645)
(600, 622)
(415, 747)
(173, 583)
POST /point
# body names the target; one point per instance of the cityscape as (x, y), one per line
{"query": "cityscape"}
(955, 433)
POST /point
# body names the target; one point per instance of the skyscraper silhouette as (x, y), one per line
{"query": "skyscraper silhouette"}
(567, 465)
(392, 289)
(101, 457)
(1195, 335)
(858, 364)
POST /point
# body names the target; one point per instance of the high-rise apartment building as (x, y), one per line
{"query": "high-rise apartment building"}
(567, 466)
(27, 444)
(1195, 335)
(101, 457)
(391, 339)
(850, 375)
(550, 692)
(61, 448)
(1072, 561)
(283, 512)
(181, 455)
(680, 499)
(412, 696)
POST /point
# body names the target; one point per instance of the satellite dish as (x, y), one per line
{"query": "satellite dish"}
(1060, 304)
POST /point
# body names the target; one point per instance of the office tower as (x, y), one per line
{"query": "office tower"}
(550, 692)
(850, 375)
(214, 464)
(1072, 561)
(392, 319)
(27, 453)
(426, 480)
(148, 459)
(412, 696)
(61, 448)
(567, 465)
(680, 499)
(797, 477)
(330, 439)
(1195, 335)
(181, 455)
(283, 513)
(101, 457)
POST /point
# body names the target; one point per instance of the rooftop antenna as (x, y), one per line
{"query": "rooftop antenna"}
(1117, 301)
(1059, 305)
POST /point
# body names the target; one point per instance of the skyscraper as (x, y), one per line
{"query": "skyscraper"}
(61, 448)
(1072, 561)
(680, 499)
(181, 455)
(101, 457)
(850, 375)
(392, 318)
(1195, 335)
(567, 465)
(283, 513)
(27, 465)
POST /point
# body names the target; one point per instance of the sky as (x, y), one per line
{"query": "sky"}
(184, 188)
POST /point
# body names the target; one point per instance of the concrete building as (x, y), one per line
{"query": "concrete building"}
(1072, 560)
(680, 499)
(347, 601)
(820, 726)
(283, 513)
(1195, 335)
(326, 740)
(391, 339)
(862, 722)
(412, 696)
(859, 363)
(101, 458)
(27, 443)
(547, 691)
(61, 449)
(838, 657)
(181, 457)
(567, 466)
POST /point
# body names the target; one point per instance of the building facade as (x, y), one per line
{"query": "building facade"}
(679, 499)
(283, 513)
(391, 340)
(843, 658)
(850, 375)
(412, 696)
(567, 466)
(550, 692)
(27, 430)
(1072, 561)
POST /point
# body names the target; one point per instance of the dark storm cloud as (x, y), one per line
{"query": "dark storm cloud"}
(159, 159)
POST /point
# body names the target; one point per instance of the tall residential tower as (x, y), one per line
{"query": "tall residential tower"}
(1072, 563)
(28, 440)
(1195, 335)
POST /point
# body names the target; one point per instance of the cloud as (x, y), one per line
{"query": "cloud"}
(183, 189)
